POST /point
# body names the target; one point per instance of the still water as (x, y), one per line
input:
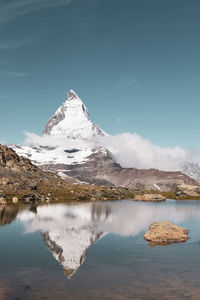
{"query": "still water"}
(97, 251)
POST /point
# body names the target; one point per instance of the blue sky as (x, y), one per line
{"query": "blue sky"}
(134, 63)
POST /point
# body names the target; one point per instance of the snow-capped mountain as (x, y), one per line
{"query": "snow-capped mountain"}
(72, 120)
(74, 133)
(70, 147)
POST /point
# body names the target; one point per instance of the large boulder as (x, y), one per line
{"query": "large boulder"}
(163, 233)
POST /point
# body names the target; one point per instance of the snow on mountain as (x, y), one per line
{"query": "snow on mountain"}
(71, 123)
(192, 169)
(72, 120)
(40, 155)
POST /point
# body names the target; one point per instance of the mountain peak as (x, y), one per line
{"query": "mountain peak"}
(72, 120)
(72, 95)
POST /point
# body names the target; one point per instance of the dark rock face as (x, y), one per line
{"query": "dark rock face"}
(9, 159)
(101, 169)
(18, 174)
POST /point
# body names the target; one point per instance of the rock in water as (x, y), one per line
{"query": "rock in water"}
(163, 233)
(150, 198)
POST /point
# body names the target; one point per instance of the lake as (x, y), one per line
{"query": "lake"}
(97, 251)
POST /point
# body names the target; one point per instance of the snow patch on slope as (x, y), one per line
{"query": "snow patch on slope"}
(55, 155)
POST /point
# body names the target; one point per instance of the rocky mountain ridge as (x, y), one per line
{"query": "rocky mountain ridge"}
(101, 169)
(25, 182)
(18, 174)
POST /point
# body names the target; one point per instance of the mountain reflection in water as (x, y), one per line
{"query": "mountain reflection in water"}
(68, 230)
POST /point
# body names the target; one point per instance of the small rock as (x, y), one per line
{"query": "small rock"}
(98, 194)
(150, 198)
(179, 193)
(33, 187)
(29, 198)
(43, 199)
(15, 200)
(163, 233)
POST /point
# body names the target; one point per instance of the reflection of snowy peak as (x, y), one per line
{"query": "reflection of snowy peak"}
(70, 246)
(72, 120)
(68, 230)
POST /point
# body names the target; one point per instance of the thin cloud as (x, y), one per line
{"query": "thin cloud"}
(13, 9)
(9, 45)
(123, 82)
(11, 73)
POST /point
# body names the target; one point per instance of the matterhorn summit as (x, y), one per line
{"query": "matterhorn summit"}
(68, 138)
(72, 120)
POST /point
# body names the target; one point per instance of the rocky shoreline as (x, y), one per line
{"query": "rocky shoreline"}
(85, 193)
